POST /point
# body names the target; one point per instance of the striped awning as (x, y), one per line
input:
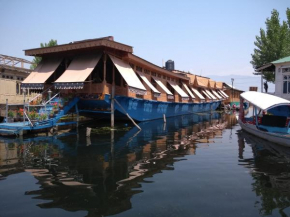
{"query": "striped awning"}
(199, 95)
(78, 71)
(135, 85)
(180, 92)
(144, 78)
(41, 73)
(163, 87)
(188, 90)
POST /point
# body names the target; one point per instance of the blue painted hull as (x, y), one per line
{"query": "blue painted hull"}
(143, 110)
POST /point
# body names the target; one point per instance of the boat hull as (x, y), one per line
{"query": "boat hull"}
(142, 110)
(281, 139)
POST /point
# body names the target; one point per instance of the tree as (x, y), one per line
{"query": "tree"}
(37, 60)
(272, 44)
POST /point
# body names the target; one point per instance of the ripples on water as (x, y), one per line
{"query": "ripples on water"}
(191, 166)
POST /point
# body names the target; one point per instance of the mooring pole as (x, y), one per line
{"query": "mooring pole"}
(6, 115)
(77, 111)
(112, 101)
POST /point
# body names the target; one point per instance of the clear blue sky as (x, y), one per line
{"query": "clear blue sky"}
(203, 37)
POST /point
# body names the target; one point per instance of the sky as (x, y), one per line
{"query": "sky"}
(204, 37)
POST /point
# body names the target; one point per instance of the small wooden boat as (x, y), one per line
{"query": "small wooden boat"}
(269, 118)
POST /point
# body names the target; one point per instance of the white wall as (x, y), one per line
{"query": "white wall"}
(279, 80)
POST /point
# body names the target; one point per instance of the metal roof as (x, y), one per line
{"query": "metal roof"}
(264, 101)
(283, 60)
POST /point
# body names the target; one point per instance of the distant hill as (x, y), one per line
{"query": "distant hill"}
(243, 82)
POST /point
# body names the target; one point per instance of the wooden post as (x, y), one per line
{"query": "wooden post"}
(112, 100)
(77, 112)
(6, 115)
(261, 81)
(88, 133)
(105, 67)
(24, 112)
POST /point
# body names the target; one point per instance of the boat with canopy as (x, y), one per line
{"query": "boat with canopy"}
(269, 117)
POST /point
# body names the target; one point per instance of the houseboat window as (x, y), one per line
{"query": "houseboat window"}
(17, 88)
(147, 71)
(168, 78)
(285, 69)
(11, 77)
(132, 65)
(164, 77)
(153, 73)
(3, 76)
(286, 84)
(138, 68)
(98, 73)
(158, 75)
(21, 79)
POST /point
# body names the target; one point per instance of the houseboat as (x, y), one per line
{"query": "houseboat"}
(270, 118)
(107, 77)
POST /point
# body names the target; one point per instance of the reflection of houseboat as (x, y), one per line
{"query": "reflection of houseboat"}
(99, 70)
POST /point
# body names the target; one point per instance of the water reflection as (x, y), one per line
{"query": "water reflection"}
(270, 170)
(100, 174)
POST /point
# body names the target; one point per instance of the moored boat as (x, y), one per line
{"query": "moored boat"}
(108, 78)
(269, 119)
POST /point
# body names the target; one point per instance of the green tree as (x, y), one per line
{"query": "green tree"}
(37, 60)
(272, 44)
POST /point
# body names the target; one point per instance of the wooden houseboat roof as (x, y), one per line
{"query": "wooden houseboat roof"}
(211, 83)
(219, 85)
(138, 60)
(89, 44)
(202, 82)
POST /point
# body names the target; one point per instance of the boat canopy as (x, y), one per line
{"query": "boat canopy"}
(200, 96)
(78, 71)
(216, 94)
(135, 85)
(178, 90)
(210, 94)
(42, 72)
(159, 82)
(223, 93)
(144, 78)
(188, 90)
(264, 101)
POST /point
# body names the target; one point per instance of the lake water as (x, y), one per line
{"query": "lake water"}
(197, 165)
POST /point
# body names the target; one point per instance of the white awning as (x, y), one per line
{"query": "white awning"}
(41, 73)
(178, 90)
(210, 94)
(159, 82)
(224, 93)
(200, 96)
(221, 94)
(264, 101)
(135, 85)
(78, 71)
(216, 94)
(188, 90)
(207, 95)
(144, 78)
